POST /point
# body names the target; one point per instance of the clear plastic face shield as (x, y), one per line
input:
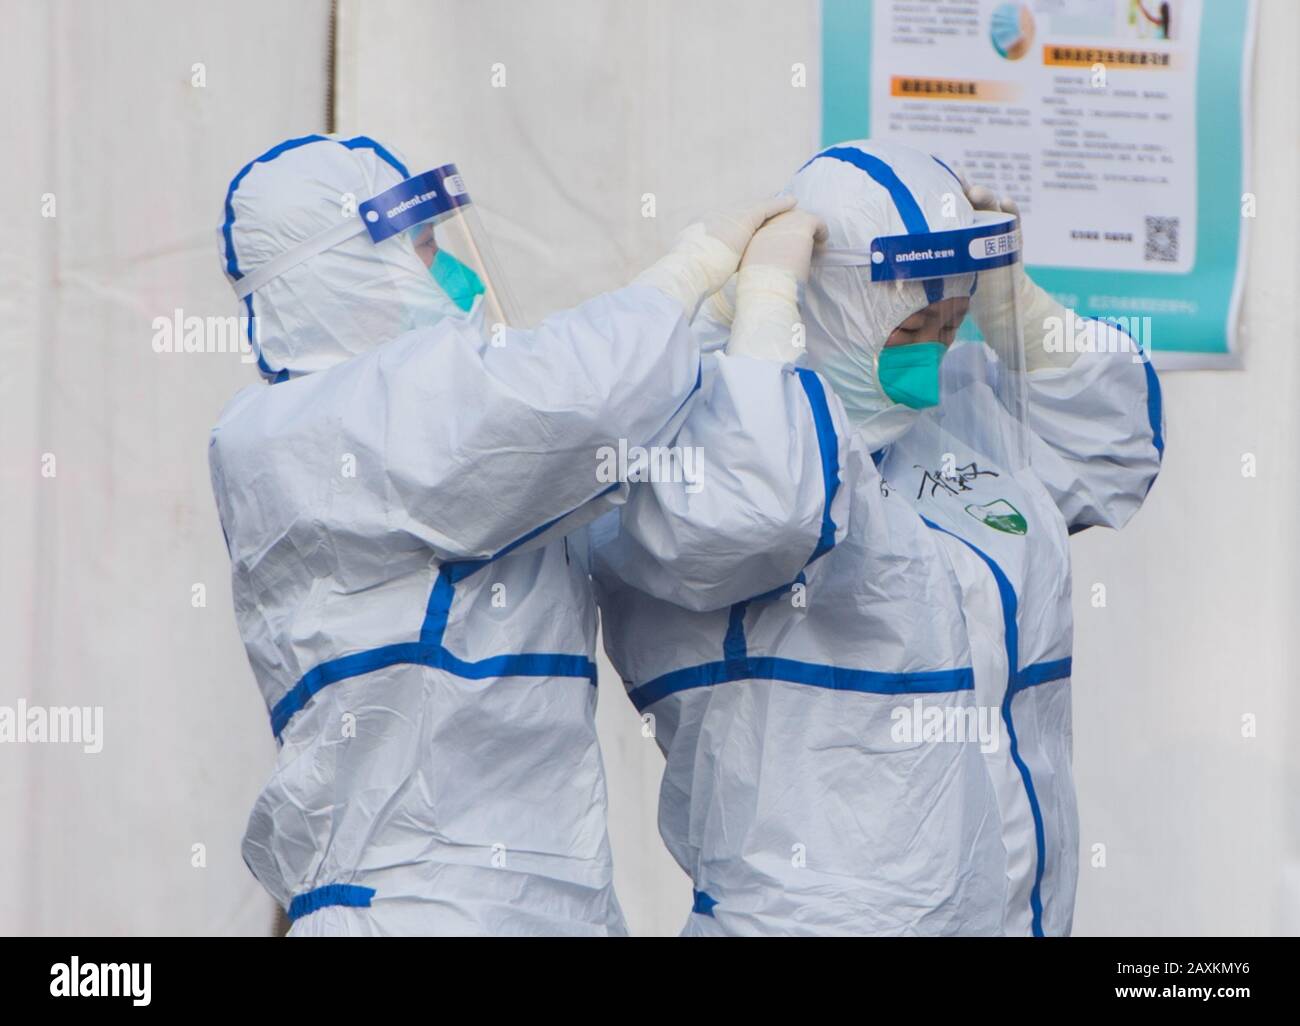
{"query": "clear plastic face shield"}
(438, 218)
(416, 250)
(952, 362)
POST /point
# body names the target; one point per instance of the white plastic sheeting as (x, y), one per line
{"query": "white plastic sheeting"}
(99, 563)
(1197, 646)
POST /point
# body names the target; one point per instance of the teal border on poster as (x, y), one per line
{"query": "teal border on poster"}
(846, 70)
(1225, 24)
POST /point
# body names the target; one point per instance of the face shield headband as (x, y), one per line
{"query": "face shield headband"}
(407, 204)
(992, 241)
(436, 213)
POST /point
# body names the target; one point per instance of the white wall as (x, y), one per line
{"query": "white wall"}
(1201, 825)
(98, 562)
(604, 102)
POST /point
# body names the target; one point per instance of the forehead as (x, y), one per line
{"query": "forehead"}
(944, 307)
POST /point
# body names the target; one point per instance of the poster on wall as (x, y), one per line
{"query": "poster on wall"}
(1120, 127)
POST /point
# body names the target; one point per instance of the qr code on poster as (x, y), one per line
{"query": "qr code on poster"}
(1162, 239)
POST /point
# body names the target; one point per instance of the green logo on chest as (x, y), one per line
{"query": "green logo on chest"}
(1001, 516)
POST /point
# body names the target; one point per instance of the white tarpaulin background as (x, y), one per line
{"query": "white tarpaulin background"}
(99, 562)
(605, 108)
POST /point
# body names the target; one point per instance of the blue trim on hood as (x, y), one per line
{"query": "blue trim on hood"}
(227, 227)
(950, 171)
(884, 176)
(228, 224)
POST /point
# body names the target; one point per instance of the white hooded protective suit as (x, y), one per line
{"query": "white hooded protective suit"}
(397, 506)
(883, 746)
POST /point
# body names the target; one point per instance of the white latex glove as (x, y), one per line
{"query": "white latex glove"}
(767, 288)
(712, 325)
(708, 252)
(1037, 308)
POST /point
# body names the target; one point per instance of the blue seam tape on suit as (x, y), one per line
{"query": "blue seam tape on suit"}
(828, 447)
(833, 678)
(1011, 637)
(794, 671)
(348, 895)
(1154, 412)
(702, 904)
(734, 647)
(1043, 673)
(429, 650)
(828, 450)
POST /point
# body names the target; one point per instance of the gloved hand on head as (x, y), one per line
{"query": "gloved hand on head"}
(776, 263)
(708, 252)
(1038, 310)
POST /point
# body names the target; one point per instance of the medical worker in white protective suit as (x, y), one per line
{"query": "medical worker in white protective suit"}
(880, 743)
(396, 504)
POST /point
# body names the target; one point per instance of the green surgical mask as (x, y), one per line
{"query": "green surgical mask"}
(460, 283)
(910, 374)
